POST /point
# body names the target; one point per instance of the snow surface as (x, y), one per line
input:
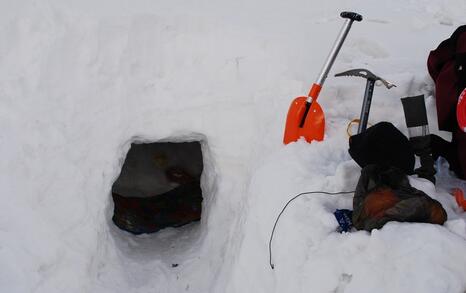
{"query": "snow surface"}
(81, 80)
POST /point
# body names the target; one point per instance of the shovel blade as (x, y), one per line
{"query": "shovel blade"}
(314, 123)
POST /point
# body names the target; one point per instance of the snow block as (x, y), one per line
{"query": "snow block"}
(158, 187)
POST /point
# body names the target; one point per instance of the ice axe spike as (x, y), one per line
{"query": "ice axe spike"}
(366, 105)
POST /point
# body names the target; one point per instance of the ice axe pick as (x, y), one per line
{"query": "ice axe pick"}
(366, 105)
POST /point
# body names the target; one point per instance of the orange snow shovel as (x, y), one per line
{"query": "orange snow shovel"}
(305, 116)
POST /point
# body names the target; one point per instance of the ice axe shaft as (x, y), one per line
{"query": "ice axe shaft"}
(366, 105)
(369, 91)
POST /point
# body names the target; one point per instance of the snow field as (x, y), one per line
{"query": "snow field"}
(80, 80)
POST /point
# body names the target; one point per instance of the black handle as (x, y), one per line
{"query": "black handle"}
(351, 15)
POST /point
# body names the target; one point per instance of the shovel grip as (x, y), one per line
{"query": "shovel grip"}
(351, 15)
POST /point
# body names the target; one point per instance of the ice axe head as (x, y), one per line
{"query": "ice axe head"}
(364, 73)
(370, 82)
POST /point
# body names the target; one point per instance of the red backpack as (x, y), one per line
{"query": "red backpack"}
(447, 67)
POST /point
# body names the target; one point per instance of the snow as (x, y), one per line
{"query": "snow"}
(81, 80)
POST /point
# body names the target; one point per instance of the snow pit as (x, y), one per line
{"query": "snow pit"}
(158, 187)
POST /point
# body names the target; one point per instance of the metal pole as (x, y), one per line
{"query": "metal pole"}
(366, 105)
(333, 54)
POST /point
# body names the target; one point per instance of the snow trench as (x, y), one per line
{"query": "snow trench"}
(172, 248)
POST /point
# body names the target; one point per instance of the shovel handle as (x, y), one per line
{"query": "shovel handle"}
(350, 18)
(351, 15)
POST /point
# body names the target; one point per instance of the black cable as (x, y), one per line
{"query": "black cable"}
(279, 215)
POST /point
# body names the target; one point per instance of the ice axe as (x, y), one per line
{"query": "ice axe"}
(305, 116)
(366, 104)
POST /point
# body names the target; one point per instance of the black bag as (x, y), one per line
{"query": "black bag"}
(382, 144)
(384, 194)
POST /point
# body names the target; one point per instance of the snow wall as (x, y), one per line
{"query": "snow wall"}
(81, 80)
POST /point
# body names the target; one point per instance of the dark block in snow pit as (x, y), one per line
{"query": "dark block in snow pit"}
(159, 187)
